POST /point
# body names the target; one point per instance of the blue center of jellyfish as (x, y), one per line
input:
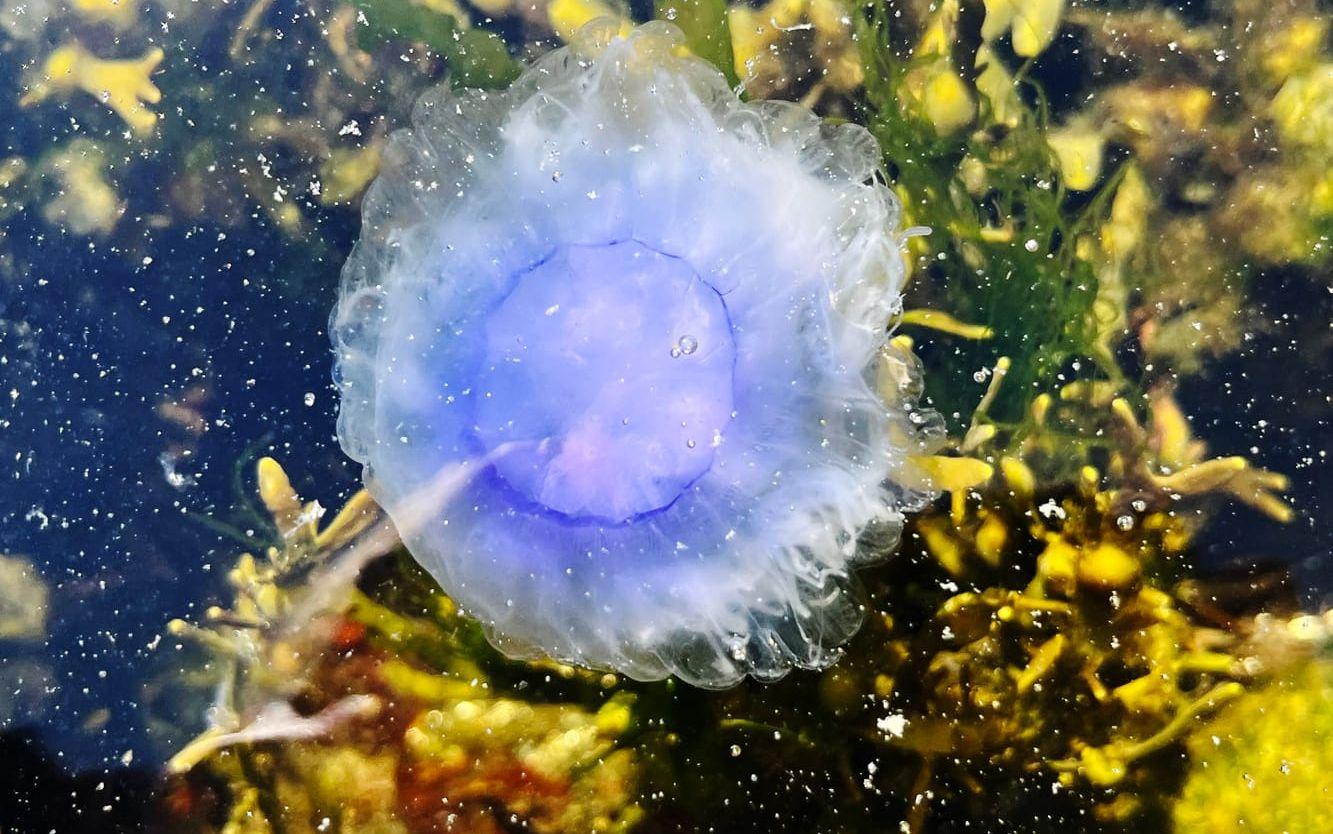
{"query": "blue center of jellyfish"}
(611, 369)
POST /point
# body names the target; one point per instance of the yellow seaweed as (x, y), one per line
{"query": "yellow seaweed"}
(119, 13)
(1078, 148)
(123, 85)
(945, 323)
(568, 16)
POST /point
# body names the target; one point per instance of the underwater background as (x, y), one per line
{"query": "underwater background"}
(1116, 616)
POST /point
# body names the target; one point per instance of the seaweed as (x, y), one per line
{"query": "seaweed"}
(707, 33)
(476, 57)
(1004, 230)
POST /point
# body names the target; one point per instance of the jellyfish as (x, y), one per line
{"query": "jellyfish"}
(659, 315)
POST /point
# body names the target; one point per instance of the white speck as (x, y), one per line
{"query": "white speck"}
(1051, 509)
(892, 725)
(177, 479)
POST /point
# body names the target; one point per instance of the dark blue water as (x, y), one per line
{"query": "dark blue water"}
(98, 351)
(137, 368)
(1270, 401)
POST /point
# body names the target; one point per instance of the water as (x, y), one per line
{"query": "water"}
(140, 366)
(107, 374)
(153, 348)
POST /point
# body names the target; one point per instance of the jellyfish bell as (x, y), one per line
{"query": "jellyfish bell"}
(658, 316)
(593, 360)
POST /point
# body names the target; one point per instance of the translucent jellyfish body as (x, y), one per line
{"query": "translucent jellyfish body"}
(659, 314)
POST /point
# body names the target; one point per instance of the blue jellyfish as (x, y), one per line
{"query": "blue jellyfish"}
(659, 314)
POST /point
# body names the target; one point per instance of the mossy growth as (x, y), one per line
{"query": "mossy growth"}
(1003, 226)
(476, 57)
(1263, 766)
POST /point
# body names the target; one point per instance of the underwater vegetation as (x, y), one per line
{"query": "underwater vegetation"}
(1107, 187)
(392, 712)
(25, 676)
(1275, 745)
(1059, 656)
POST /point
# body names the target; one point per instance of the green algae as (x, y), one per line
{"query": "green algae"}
(707, 33)
(476, 57)
(1004, 231)
(1263, 765)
